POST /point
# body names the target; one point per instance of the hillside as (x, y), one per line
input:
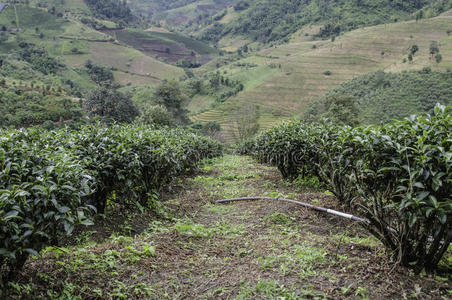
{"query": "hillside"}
(177, 149)
(282, 80)
(380, 97)
(266, 21)
(179, 13)
(44, 50)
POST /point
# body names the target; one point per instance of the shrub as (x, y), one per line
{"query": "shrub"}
(135, 161)
(397, 175)
(41, 191)
(51, 181)
(404, 181)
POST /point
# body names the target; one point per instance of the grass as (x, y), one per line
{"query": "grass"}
(29, 18)
(246, 250)
(75, 6)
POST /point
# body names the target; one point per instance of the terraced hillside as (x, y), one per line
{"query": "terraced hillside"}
(286, 78)
(72, 42)
(170, 46)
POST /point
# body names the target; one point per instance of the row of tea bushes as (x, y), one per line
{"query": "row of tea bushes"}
(398, 175)
(51, 181)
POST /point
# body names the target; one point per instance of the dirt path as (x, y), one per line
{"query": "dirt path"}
(247, 250)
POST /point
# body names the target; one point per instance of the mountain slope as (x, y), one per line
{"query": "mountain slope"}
(286, 91)
(43, 52)
(380, 97)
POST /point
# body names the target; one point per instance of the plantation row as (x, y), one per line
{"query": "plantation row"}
(52, 181)
(399, 176)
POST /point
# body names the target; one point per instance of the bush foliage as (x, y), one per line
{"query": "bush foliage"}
(398, 175)
(51, 181)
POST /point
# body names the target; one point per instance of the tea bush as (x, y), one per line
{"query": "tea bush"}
(397, 175)
(41, 197)
(53, 180)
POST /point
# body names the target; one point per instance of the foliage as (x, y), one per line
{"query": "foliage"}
(246, 120)
(341, 110)
(41, 191)
(111, 9)
(156, 115)
(99, 74)
(268, 21)
(219, 86)
(49, 180)
(170, 95)
(380, 97)
(38, 58)
(25, 108)
(111, 105)
(397, 175)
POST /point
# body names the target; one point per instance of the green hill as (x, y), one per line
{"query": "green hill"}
(381, 97)
(269, 21)
(282, 80)
(44, 51)
(171, 47)
(180, 13)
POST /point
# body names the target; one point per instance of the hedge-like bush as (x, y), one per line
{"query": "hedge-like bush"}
(51, 181)
(398, 175)
(41, 191)
(135, 161)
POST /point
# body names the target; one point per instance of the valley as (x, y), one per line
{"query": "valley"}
(123, 124)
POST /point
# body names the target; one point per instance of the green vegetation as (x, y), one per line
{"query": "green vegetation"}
(99, 74)
(172, 46)
(180, 13)
(111, 105)
(246, 250)
(169, 95)
(267, 21)
(289, 77)
(115, 10)
(397, 176)
(38, 58)
(269, 61)
(19, 108)
(53, 180)
(380, 97)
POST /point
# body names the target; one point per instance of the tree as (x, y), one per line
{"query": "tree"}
(410, 57)
(247, 121)
(434, 48)
(341, 110)
(155, 115)
(169, 94)
(3, 37)
(438, 58)
(419, 15)
(414, 49)
(111, 105)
